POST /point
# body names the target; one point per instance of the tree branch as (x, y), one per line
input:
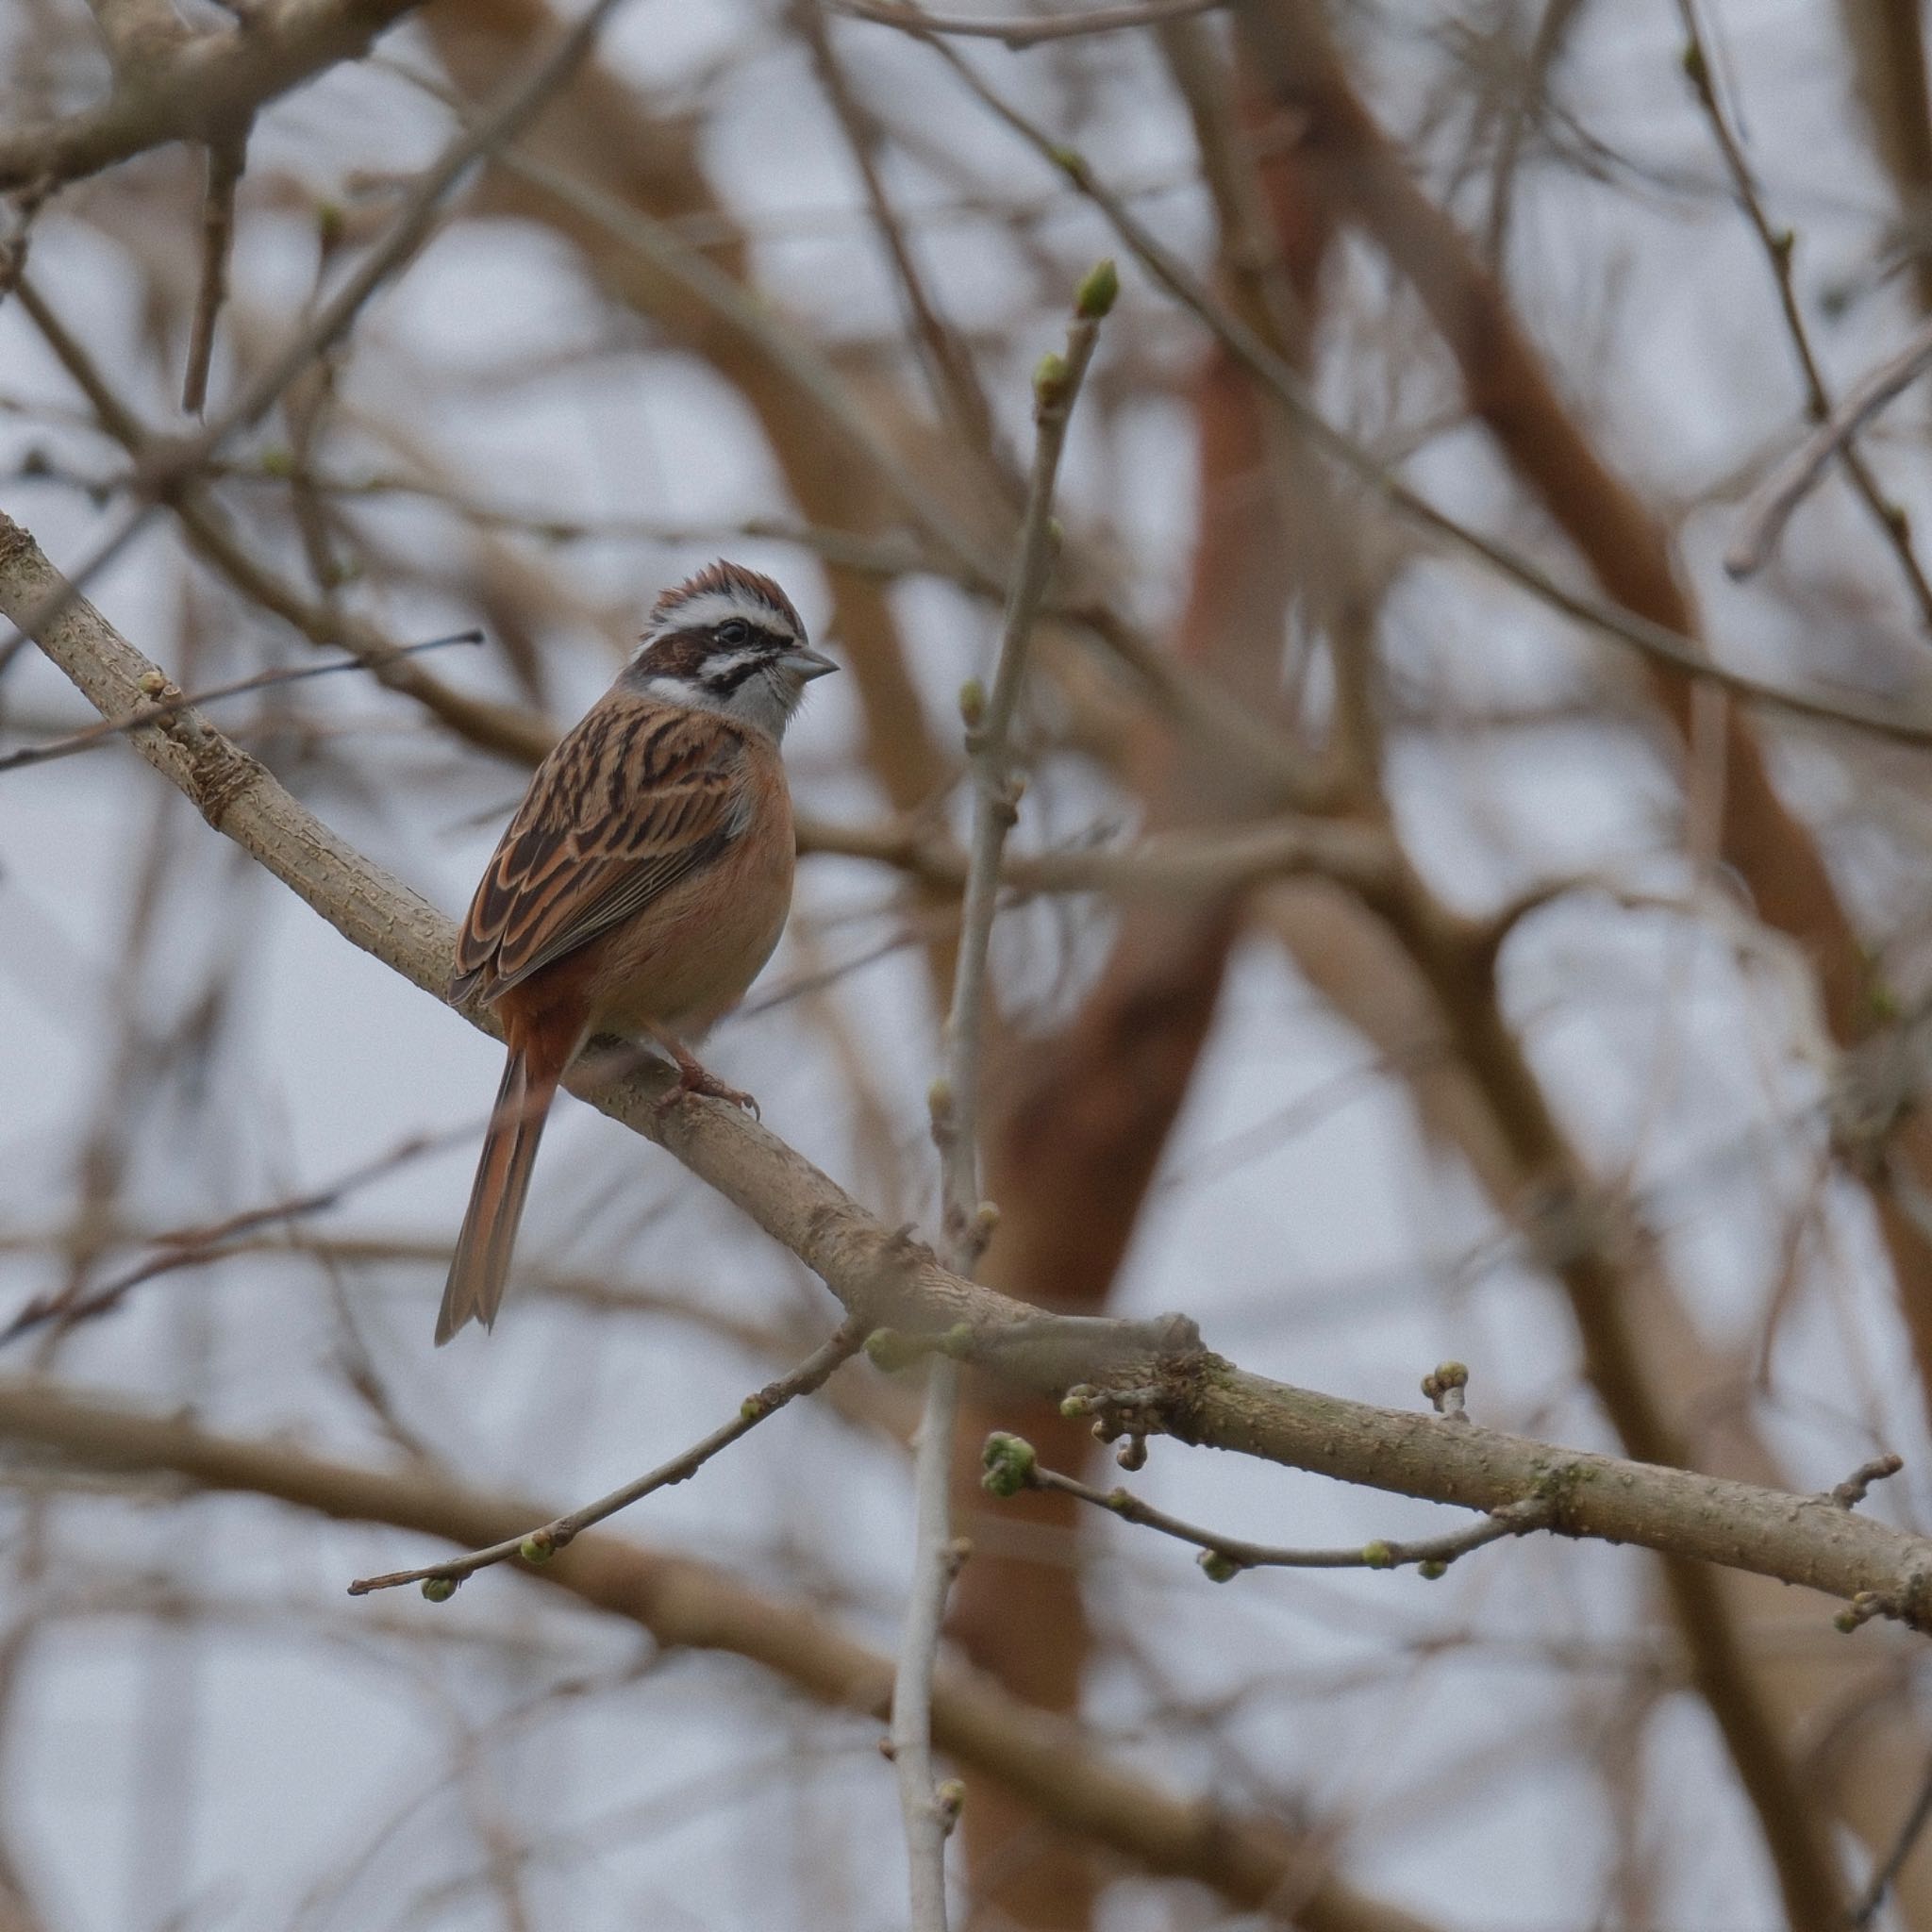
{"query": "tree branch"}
(955, 1098)
(539, 1545)
(197, 87)
(685, 1604)
(1154, 1375)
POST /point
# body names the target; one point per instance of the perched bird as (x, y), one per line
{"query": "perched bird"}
(641, 884)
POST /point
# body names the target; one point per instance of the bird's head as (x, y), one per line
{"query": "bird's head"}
(728, 639)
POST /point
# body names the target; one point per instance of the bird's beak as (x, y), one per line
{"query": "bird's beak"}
(805, 663)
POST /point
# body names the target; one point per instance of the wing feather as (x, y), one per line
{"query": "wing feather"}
(635, 799)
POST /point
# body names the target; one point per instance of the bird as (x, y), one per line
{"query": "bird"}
(641, 885)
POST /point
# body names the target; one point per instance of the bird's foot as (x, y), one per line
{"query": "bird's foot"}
(694, 1077)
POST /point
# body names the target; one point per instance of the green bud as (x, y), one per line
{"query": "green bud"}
(1847, 1620)
(1050, 379)
(1218, 1568)
(890, 1350)
(972, 703)
(438, 1590)
(1098, 293)
(1434, 1568)
(1009, 1462)
(1379, 1555)
(537, 1548)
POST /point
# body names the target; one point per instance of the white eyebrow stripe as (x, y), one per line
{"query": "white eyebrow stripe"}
(713, 608)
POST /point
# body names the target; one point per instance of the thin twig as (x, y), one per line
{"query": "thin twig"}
(929, 1812)
(168, 703)
(227, 158)
(1192, 699)
(947, 366)
(1654, 641)
(1779, 246)
(190, 1247)
(995, 804)
(1882, 1878)
(1174, 864)
(1772, 503)
(513, 107)
(505, 729)
(793, 352)
(25, 207)
(684, 1604)
(1010, 1467)
(1025, 32)
(1851, 1493)
(539, 1545)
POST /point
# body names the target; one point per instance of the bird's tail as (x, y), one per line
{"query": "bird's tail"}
(481, 1263)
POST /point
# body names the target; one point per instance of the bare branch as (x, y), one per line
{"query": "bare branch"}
(1163, 864)
(514, 107)
(440, 1580)
(1882, 1878)
(192, 1248)
(1851, 1491)
(168, 701)
(226, 158)
(1779, 246)
(955, 1099)
(188, 87)
(507, 730)
(1762, 520)
(1011, 1466)
(1654, 641)
(1030, 31)
(1253, 1862)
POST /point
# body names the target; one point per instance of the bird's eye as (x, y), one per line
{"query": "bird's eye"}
(734, 631)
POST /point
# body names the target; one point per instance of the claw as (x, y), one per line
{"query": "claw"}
(693, 1077)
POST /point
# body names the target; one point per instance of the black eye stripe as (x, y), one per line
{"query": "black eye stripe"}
(704, 655)
(748, 650)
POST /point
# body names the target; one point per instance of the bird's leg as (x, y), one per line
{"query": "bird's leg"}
(693, 1079)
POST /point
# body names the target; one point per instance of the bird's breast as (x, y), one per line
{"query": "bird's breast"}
(688, 958)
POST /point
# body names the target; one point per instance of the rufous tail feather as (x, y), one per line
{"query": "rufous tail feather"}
(480, 1266)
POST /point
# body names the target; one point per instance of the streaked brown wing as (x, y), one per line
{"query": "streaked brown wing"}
(631, 801)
